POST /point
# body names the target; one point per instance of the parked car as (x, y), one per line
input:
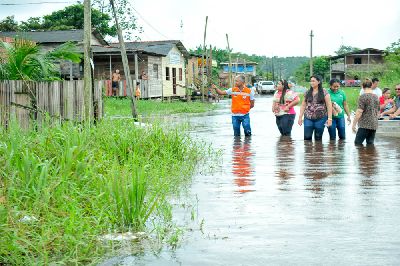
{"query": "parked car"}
(266, 86)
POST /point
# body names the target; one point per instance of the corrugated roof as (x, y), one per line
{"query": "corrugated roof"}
(357, 52)
(116, 50)
(59, 36)
(157, 47)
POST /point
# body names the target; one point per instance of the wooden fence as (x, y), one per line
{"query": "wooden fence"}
(148, 88)
(28, 101)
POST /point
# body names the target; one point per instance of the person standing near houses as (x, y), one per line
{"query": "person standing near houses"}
(339, 103)
(242, 102)
(116, 78)
(375, 90)
(367, 115)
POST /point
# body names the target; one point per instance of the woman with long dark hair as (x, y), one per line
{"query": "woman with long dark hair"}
(283, 102)
(317, 110)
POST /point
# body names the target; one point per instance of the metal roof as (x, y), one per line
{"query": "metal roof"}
(59, 36)
(357, 52)
(96, 49)
(156, 47)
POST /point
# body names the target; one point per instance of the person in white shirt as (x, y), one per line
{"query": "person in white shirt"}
(375, 90)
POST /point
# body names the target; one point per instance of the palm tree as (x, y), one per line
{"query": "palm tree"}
(23, 60)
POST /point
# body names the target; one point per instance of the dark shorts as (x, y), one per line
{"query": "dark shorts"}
(115, 84)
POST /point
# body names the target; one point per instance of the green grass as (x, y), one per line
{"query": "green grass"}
(80, 183)
(121, 106)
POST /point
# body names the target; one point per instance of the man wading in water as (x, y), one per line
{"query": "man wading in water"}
(242, 102)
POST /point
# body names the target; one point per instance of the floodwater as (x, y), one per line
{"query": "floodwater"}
(277, 201)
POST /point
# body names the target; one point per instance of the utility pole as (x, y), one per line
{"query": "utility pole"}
(202, 62)
(230, 62)
(209, 66)
(127, 72)
(311, 56)
(87, 73)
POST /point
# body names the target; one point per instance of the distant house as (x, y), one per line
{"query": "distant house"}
(248, 69)
(344, 66)
(194, 69)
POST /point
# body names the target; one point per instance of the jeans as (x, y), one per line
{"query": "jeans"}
(285, 124)
(315, 126)
(245, 121)
(365, 134)
(340, 125)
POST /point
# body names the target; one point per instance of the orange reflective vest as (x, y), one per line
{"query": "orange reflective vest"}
(240, 100)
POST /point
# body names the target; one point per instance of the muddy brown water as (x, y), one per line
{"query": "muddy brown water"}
(283, 201)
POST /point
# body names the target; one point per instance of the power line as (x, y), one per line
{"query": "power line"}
(149, 24)
(33, 3)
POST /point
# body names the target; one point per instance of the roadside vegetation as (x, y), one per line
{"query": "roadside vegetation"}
(63, 187)
(121, 107)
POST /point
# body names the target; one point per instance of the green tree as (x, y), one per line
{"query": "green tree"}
(320, 68)
(343, 49)
(126, 18)
(33, 23)
(9, 24)
(392, 62)
(23, 60)
(71, 17)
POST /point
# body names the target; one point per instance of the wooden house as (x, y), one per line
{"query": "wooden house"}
(49, 40)
(345, 66)
(173, 64)
(164, 62)
(107, 59)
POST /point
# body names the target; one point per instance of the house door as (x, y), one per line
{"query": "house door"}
(174, 80)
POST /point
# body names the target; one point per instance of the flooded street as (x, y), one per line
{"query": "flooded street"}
(276, 201)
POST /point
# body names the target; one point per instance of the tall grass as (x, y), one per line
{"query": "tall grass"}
(63, 187)
(121, 106)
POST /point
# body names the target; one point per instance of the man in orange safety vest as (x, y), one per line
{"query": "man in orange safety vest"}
(242, 102)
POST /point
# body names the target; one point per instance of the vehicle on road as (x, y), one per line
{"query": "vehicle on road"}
(266, 86)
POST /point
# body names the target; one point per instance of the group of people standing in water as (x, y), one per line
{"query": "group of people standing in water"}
(320, 108)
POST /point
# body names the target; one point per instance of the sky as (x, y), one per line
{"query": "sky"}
(271, 28)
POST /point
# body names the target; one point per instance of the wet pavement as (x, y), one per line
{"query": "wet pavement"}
(284, 201)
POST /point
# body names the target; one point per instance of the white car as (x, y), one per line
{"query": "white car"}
(266, 86)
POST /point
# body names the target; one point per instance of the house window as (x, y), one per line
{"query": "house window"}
(180, 74)
(357, 61)
(155, 71)
(167, 73)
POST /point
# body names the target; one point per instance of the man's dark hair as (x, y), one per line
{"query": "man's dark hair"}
(374, 80)
(137, 83)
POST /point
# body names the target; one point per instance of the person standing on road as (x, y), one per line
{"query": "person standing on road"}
(317, 110)
(367, 115)
(339, 103)
(242, 102)
(116, 78)
(283, 107)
